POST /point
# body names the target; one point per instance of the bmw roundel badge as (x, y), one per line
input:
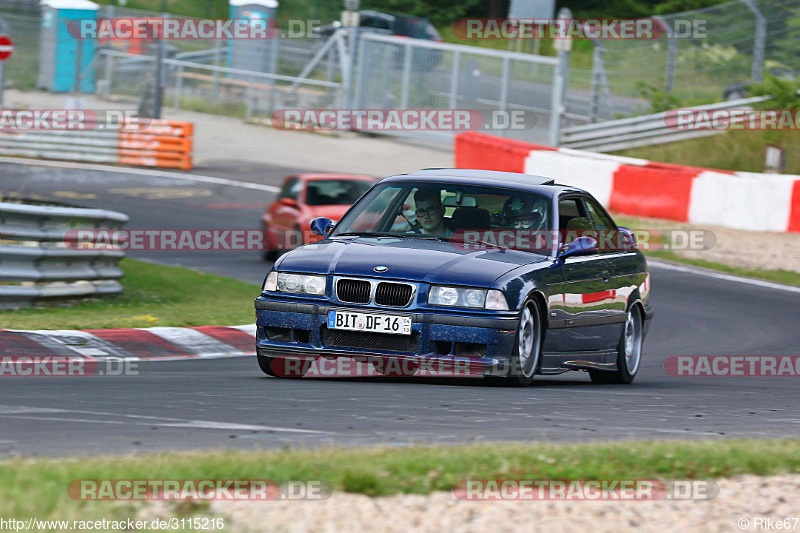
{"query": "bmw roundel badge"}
(380, 268)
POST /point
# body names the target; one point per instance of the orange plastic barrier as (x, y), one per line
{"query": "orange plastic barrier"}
(156, 143)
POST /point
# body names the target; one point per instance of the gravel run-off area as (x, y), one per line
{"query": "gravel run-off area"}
(740, 499)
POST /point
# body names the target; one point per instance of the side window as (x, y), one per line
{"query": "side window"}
(572, 219)
(569, 211)
(290, 189)
(599, 218)
(609, 238)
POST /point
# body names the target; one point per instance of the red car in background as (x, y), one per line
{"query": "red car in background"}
(304, 197)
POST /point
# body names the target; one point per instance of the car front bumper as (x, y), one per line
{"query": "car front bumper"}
(289, 329)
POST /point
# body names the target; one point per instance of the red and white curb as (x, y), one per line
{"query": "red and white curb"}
(739, 200)
(132, 344)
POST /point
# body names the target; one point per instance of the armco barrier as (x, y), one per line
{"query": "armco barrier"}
(740, 200)
(155, 143)
(35, 264)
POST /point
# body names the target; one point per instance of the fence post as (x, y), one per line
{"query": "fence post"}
(217, 61)
(348, 78)
(78, 65)
(597, 79)
(176, 103)
(454, 79)
(504, 82)
(248, 107)
(331, 72)
(358, 74)
(759, 43)
(560, 83)
(108, 74)
(406, 83)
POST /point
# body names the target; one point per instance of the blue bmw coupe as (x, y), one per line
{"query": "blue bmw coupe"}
(511, 274)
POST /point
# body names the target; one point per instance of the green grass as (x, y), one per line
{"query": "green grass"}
(37, 487)
(153, 295)
(734, 150)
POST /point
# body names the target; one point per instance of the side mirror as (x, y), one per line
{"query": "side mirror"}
(580, 246)
(291, 202)
(321, 226)
(628, 237)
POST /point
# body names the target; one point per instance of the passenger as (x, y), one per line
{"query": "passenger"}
(430, 212)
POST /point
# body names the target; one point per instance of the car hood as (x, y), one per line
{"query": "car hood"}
(407, 259)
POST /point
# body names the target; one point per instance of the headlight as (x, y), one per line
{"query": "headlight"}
(295, 283)
(463, 297)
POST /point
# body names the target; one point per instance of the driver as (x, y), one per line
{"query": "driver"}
(523, 213)
(430, 212)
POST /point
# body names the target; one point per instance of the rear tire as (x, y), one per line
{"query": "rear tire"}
(629, 352)
(527, 353)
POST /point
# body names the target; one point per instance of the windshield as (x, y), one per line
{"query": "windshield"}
(335, 192)
(445, 210)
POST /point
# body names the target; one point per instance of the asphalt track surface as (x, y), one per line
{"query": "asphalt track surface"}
(228, 403)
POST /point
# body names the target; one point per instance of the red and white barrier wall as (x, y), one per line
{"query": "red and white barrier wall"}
(740, 200)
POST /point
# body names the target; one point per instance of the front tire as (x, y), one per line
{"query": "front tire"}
(527, 348)
(629, 352)
(283, 368)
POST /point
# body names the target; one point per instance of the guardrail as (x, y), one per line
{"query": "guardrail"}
(37, 264)
(146, 142)
(643, 130)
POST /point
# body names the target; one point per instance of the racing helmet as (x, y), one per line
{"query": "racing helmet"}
(524, 213)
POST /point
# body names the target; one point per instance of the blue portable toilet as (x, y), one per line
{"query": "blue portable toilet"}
(247, 54)
(58, 49)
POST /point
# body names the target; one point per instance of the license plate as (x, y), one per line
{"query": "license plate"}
(372, 322)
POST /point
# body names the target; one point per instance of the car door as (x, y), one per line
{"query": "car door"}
(621, 265)
(585, 308)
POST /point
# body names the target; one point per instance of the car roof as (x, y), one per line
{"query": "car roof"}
(514, 180)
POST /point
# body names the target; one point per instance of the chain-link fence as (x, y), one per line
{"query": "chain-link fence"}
(707, 55)
(743, 40)
(396, 73)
